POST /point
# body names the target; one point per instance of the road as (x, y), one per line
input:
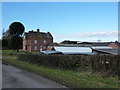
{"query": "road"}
(0, 71)
(17, 78)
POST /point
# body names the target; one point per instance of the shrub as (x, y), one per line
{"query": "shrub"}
(107, 65)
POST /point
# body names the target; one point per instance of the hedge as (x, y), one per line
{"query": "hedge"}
(106, 65)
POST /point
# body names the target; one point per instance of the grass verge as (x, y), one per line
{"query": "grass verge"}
(68, 78)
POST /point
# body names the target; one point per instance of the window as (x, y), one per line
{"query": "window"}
(44, 41)
(44, 47)
(28, 47)
(40, 48)
(35, 41)
(24, 37)
(35, 47)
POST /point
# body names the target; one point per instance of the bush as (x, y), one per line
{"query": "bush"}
(106, 65)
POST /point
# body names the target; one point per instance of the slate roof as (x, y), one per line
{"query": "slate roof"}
(69, 42)
(32, 33)
(100, 43)
(108, 51)
(95, 43)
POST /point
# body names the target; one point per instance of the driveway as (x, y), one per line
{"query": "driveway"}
(17, 78)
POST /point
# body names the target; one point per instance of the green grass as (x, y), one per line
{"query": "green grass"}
(14, 51)
(67, 78)
(35, 52)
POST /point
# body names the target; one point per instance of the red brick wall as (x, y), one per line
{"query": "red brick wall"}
(26, 42)
(113, 45)
(40, 42)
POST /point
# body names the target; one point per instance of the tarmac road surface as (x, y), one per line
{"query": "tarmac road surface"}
(13, 77)
(0, 72)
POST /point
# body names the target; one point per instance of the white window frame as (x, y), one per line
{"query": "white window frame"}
(35, 41)
(35, 47)
(44, 41)
(40, 48)
(44, 47)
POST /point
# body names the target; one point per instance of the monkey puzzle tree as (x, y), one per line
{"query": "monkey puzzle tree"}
(16, 30)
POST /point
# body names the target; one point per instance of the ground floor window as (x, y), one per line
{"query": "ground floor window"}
(40, 48)
(44, 47)
(25, 47)
(35, 47)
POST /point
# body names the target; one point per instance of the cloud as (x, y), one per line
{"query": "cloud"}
(91, 34)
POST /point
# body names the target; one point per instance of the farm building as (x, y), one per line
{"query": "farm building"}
(106, 50)
(69, 50)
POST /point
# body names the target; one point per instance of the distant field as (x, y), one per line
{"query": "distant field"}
(67, 77)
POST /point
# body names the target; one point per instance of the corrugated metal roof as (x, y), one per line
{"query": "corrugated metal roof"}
(101, 47)
(78, 53)
(69, 50)
(48, 52)
(73, 49)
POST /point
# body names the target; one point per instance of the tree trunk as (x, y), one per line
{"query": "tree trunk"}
(17, 50)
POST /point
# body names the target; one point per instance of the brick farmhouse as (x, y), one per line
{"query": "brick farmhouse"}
(115, 45)
(36, 40)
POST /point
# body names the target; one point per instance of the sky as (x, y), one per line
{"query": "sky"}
(60, 0)
(78, 21)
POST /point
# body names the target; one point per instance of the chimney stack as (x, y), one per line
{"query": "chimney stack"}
(38, 30)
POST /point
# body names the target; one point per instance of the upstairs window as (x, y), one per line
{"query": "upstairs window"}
(35, 41)
(44, 41)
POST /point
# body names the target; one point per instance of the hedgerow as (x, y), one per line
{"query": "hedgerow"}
(106, 65)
